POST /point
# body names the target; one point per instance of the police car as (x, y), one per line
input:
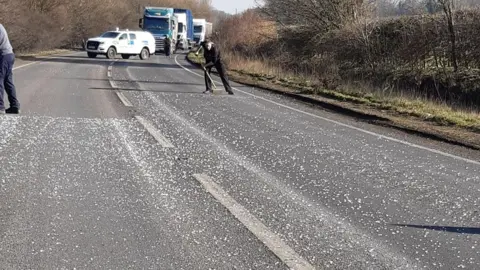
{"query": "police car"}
(126, 43)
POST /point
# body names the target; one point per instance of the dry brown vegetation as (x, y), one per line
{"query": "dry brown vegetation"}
(46, 24)
(387, 52)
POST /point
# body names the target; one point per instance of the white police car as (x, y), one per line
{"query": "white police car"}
(126, 43)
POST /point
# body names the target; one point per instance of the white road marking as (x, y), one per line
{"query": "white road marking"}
(113, 84)
(120, 95)
(154, 132)
(123, 99)
(26, 65)
(380, 136)
(269, 238)
(42, 60)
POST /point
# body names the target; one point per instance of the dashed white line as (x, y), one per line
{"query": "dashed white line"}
(123, 99)
(109, 70)
(113, 84)
(380, 136)
(270, 239)
(154, 132)
(120, 95)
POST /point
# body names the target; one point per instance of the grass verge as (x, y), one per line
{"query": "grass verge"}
(42, 53)
(416, 115)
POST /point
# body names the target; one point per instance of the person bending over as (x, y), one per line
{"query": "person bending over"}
(213, 58)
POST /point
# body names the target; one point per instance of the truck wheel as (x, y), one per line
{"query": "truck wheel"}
(111, 53)
(144, 54)
(91, 55)
(125, 56)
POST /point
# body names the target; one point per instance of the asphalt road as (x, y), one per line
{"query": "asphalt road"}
(126, 164)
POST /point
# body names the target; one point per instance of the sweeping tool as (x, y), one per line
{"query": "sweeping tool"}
(211, 80)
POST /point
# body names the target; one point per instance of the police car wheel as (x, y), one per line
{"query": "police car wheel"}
(111, 53)
(144, 54)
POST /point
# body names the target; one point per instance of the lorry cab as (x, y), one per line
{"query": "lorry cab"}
(160, 22)
(124, 42)
(201, 30)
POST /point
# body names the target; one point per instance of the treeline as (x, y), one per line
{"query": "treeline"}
(46, 24)
(432, 51)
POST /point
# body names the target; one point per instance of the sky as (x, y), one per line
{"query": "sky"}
(229, 6)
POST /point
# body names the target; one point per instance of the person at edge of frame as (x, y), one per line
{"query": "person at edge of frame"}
(7, 59)
(213, 58)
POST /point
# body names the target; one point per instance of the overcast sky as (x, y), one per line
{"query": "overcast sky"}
(229, 6)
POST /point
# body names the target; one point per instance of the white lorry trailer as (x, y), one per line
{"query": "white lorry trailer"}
(201, 30)
(185, 28)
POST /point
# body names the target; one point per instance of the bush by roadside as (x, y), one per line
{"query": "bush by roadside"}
(408, 55)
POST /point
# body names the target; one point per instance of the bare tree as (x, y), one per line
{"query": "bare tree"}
(322, 16)
(447, 6)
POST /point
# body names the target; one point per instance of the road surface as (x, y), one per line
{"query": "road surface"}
(126, 164)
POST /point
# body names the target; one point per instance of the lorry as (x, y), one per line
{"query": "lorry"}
(161, 22)
(201, 30)
(185, 28)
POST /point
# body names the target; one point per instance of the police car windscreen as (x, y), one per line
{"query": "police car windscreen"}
(110, 35)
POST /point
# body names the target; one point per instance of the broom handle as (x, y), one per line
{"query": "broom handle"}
(210, 78)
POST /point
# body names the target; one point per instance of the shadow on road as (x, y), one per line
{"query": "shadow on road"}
(99, 61)
(199, 92)
(463, 230)
(135, 81)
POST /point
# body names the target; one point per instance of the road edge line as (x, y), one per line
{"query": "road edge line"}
(43, 60)
(284, 252)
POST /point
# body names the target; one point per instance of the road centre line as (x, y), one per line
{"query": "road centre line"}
(123, 99)
(119, 94)
(255, 226)
(380, 136)
(154, 132)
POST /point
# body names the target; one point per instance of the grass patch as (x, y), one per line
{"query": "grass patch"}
(404, 105)
(41, 53)
(196, 59)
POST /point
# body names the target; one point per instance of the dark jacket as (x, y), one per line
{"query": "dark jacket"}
(212, 57)
(167, 43)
